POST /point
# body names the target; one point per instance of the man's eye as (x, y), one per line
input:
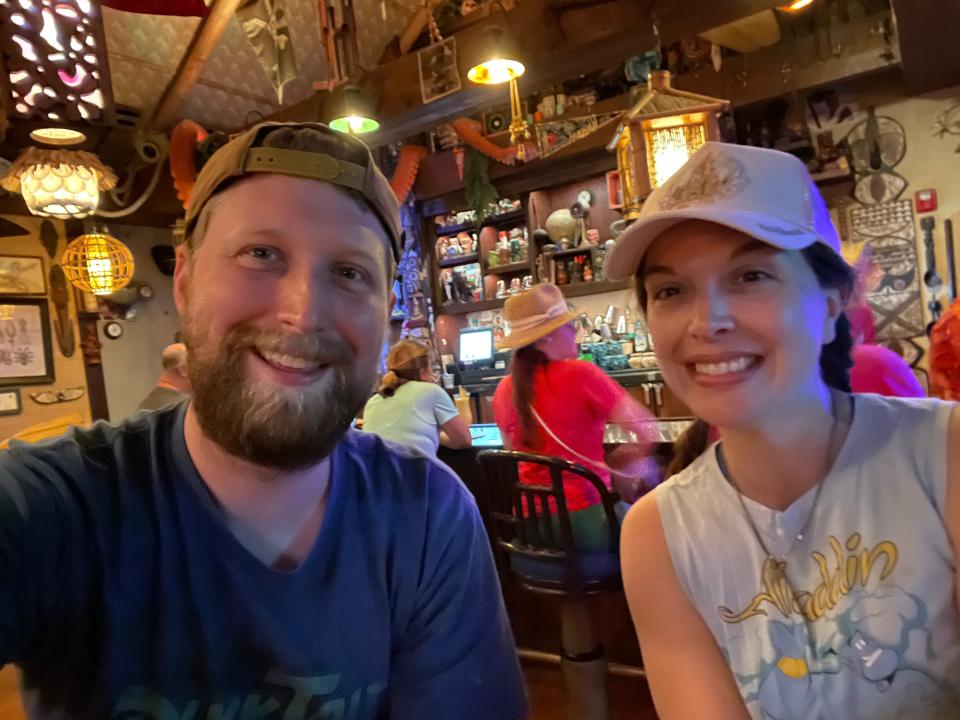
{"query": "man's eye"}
(352, 273)
(263, 254)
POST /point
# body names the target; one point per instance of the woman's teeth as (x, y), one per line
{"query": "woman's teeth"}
(289, 361)
(724, 368)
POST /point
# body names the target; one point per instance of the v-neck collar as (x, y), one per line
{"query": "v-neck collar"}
(783, 525)
(220, 522)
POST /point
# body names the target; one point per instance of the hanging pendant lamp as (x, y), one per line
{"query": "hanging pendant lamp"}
(58, 182)
(98, 263)
(353, 111)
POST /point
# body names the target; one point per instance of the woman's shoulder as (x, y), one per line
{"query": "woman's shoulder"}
(579, 369)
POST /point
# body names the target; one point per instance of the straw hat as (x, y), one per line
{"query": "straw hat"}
(534, 314)
(767, 194)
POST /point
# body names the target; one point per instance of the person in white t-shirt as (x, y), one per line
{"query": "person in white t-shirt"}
(412, 410)
(804, 565)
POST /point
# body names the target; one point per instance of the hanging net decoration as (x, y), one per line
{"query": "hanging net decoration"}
(98, 263)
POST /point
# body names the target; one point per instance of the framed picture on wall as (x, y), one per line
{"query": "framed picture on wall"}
(26, 355)
(22, 275)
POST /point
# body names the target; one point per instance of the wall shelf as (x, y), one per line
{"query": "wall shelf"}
(592, 288)
(456, 260)
(519, 267)
(574, 251)
(464, 308)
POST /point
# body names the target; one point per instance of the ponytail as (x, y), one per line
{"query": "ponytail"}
(406, 362)
(690, 445)
(835, 359)
(526, 361)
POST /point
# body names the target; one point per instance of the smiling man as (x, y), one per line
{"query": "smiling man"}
(247, 555)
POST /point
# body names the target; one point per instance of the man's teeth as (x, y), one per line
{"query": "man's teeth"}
(289, 361)
(723, 368)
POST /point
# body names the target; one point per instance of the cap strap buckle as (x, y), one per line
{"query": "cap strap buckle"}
(318, 166)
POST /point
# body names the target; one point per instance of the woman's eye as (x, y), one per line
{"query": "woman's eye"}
(752, 276)
(666, 293)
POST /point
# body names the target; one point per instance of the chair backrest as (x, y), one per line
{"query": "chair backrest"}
(520, 514)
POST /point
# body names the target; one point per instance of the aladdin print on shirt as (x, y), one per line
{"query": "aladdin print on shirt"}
(853, 635)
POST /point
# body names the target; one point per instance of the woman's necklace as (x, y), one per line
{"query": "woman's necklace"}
(833, 447)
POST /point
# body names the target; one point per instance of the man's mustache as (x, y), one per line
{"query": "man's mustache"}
(311, 347)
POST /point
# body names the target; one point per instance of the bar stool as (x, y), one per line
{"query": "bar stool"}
(541, 552)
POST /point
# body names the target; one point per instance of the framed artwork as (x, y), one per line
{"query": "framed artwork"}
(439, 74)
(22, 275)
(10, 403)
(26, 355)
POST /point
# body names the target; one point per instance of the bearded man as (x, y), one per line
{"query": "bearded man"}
(246, 554)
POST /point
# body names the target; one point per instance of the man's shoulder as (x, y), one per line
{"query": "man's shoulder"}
(101, 446)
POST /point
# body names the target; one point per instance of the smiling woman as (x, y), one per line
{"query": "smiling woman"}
(743, 285)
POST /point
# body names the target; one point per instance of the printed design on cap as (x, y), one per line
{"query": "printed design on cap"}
(715, 177)
(792, 231)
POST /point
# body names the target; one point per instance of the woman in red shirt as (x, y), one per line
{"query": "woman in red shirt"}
(553, 404)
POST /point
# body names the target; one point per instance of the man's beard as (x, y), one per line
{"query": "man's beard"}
(265, 423)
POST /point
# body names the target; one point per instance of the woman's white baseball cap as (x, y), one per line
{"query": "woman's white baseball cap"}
(767, 194)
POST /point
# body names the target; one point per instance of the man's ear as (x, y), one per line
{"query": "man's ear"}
(181, 278)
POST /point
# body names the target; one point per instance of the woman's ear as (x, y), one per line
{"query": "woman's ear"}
(835, 306)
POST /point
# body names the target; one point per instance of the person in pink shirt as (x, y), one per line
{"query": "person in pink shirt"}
(877, 369)
(553, 404)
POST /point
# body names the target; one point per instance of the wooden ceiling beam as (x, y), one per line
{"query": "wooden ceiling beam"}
(928, 43)
(557, 46)
(204, 41)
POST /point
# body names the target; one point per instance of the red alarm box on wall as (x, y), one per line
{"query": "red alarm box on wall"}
(925, 201)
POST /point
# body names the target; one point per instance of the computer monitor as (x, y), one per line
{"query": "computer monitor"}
(476, 346)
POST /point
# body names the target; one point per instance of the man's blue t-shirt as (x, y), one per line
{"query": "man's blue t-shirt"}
(124, 594)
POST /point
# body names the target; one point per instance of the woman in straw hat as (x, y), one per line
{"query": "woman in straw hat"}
(804, 566)
(410, 409)
(553, 404)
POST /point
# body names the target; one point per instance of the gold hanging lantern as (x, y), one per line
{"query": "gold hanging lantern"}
(502, 64)
(98, 263)
(61, 183)
(658, 135)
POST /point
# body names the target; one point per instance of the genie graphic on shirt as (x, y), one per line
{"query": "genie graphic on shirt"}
(842, 644)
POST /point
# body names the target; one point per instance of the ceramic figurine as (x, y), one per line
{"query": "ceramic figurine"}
(515, 286)
(493, 258)
(527, 282)
(515, 246)
(587, 273)
(562, 278)
(504, 249)
(598, 268)
(466, 243)
(442, 245)
(593, 236)
(501, 289)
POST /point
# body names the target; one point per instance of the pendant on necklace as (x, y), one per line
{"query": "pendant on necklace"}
(799, 537)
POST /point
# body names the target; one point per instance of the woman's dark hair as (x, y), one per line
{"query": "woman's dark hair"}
(833, 273)
(526, 361)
